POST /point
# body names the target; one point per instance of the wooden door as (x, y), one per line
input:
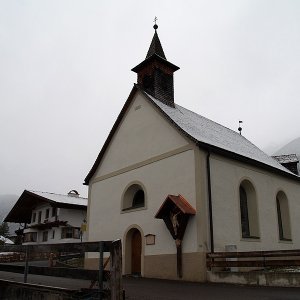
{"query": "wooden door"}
(136, 252)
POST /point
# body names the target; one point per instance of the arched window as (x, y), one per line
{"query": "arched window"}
(248, 210)
(134, 197)
(283, 215)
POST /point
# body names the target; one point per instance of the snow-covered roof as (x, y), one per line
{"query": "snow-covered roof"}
(211, 133)
(65, 199)
(6, 240)
(286, 158)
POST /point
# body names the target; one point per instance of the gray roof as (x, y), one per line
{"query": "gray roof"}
(286, 158)
(211, 133)
(64, 199)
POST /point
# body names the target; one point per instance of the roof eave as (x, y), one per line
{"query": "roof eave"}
(11, 216)
(247, 160)
(112, 132)
(137, 68)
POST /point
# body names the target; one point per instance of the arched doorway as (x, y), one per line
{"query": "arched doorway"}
(136, 252)
(133, 260)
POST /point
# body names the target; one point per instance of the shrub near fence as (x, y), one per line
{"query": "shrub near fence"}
(11, 257)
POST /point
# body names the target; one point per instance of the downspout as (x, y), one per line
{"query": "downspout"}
(211, 227)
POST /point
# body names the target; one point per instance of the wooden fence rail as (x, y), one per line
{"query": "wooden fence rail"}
(255, 259)
(58, 248)
(30, 251)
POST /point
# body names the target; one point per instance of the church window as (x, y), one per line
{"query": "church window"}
(244, 212)
(248, 210)
(133, 198)
(283, 217)
(138, 199)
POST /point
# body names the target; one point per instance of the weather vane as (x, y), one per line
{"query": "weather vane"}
(155, 25)
(240, 128)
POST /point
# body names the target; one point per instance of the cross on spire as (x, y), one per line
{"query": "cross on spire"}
(155, 25)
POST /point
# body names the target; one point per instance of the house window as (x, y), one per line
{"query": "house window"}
(134, 197)
(283, 216)
(47, 213)
(30, 237)
(53, 234)
(70, 232)
(248, 210)
(40, 217)
(54, 211)
(33, 217)
(45, 236)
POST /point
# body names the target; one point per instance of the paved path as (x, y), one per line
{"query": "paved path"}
(154, 289)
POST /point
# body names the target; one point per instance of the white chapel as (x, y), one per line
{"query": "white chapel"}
(174, 185)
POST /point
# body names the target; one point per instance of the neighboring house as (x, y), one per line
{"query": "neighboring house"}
(169, 181)
(291, 147)
(289, 161)
(50, 218)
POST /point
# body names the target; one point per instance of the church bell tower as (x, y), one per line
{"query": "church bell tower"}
(155, 73)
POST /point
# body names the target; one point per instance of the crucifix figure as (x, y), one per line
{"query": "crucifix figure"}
(155, 19)
(174, 220)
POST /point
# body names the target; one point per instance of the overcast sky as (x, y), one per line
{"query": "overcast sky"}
(65, 75)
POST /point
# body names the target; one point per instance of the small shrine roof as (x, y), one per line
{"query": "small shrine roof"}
(179, 201)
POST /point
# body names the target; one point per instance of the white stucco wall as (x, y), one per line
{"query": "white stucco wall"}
(172, 175)
(74, 217)
(146, 149)
(226, 176)
(142, 134)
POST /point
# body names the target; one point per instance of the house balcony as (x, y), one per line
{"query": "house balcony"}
(47, 224)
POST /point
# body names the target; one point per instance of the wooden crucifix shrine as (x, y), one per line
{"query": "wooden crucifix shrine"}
(175, 211)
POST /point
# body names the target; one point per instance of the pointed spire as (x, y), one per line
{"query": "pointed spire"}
(156, 47)
(155, 73)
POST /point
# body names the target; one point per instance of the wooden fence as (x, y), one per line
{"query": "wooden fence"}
(114, 275)
(253, 259)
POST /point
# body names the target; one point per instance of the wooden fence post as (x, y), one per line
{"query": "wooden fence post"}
(116, 288)
(101, 269)
(26, 264)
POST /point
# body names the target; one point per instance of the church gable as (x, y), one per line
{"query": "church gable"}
(143, 133)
